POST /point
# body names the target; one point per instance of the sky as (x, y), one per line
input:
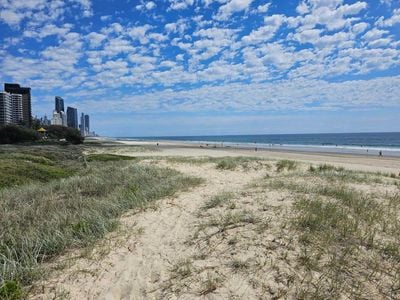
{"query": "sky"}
(209, 67)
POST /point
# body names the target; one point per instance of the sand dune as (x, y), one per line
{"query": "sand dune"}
(178, 249)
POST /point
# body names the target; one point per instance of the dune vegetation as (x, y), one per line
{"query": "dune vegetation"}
(52, 198)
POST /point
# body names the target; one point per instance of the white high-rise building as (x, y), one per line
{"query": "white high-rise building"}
(16, 101)
(5, 108)
(57, 119)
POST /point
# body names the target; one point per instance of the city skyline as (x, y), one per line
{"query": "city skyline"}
(195, 67)
(13, 110)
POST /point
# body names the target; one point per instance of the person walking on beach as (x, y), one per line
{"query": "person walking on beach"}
(380, 153)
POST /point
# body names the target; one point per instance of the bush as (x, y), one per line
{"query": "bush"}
(12, 134)
(71, 135)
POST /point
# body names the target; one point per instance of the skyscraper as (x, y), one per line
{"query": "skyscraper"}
(26, 100)
(59, 103)
(72, 117)
(82, 126)
(5, 108)
(87, 125)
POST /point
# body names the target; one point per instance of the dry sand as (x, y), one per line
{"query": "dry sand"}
(169, 252)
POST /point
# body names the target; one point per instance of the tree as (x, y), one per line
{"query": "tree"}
(12, 134)
(71, 135)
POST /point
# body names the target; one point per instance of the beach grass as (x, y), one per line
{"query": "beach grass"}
(42, 218)
(29, 164)
(103, 157)
(218, 200)
(285, 164)
(347, 229)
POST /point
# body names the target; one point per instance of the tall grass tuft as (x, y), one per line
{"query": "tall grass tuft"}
(289, 165)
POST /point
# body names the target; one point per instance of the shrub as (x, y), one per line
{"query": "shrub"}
(12, 134)
(71, 135)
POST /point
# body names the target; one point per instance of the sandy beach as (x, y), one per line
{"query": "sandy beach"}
(361, 162)
(230, 237)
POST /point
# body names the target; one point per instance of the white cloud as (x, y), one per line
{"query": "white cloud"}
(263, 8)
(359, 27)
(146, 6)
(180, 4)
(374, 34)
(139, 33)
(37, 12)
(280, 96)
(96, 39)
(150, 5)
(266, 32)
(233, 6)
(48, 30)
(393, 20)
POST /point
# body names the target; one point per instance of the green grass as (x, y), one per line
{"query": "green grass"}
(10, 290)
(29, 164)
(107, 157)
(333, 173)
(352, 233)
(349, 237)
(42, 219)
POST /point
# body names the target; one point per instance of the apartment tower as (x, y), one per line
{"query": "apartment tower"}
(72, 117)
(25, 92)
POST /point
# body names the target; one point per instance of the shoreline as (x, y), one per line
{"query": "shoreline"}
(357, 162)
(257, 147)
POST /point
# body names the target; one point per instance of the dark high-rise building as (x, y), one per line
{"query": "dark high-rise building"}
(87, 124)
(82, 126)
(14, 88)
(59, 104)
(72, 117)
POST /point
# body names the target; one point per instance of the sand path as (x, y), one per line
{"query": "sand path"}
(139, 265)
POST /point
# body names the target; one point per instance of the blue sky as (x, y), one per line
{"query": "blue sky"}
(195, 67)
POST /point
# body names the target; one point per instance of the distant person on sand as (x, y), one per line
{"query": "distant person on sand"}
(380, 153)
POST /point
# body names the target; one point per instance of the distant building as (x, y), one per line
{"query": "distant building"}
(26, 101)
(87, 125)
(82, 126)
(59, 104)
(5, 108)
(72, 117)
(64, 118)
(17, 114)
(57, 119)
(45, 121)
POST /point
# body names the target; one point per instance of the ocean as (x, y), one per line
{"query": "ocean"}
(369, 143)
